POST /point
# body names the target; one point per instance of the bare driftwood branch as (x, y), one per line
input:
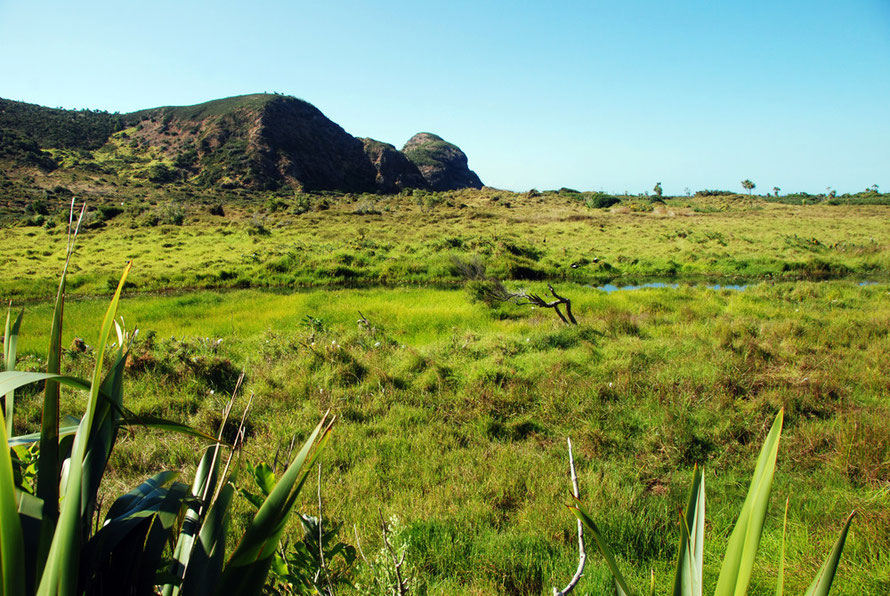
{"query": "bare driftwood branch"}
(523, 297)
(492, 290)
(582, 554)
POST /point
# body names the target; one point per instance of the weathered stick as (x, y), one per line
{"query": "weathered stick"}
(582, 554)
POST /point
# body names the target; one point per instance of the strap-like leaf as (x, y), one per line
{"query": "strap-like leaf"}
(12, 560)
(60, 573)
(203, 484)
(49, 466)
(131, 500)
(10, 344)
(127, 550)
(102, 437)
(11, 380)
(688, 575)
(247, 568)
(167, 425)
(64, 431)
(780, 580)
(822, 583)
(28, 504)
(621, 587)
(206, 561)
(738, 563)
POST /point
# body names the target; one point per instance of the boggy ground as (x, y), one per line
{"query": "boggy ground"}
(453, 416)
(190, 240)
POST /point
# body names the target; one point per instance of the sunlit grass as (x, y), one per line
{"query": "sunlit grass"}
(456, 421)
(405, 244)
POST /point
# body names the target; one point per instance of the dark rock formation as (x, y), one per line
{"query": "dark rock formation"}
(394, 171)
(443, 164)
(262, 141)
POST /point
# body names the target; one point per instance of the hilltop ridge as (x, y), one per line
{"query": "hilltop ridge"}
(258, 141)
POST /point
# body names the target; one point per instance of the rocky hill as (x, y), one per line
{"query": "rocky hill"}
(261, 141)
(443, 164)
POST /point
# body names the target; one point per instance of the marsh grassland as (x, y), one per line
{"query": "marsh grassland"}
(453, 415)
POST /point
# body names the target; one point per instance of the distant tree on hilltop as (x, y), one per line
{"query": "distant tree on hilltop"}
(658, 190)
(748, 185)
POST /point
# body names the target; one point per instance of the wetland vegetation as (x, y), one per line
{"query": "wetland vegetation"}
(453, 415)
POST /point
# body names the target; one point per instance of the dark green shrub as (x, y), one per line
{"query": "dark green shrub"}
(602, 201)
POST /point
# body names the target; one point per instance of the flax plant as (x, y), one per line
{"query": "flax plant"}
(738, 562)
(49, 544)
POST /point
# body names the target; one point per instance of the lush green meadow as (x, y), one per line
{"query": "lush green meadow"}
(453, 416)
(371, 240)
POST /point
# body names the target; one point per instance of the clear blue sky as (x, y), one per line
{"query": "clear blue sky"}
(590, 95)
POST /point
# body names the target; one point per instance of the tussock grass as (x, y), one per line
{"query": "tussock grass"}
(257, 244)
(453, 417)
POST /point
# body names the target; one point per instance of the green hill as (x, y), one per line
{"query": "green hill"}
(257, 142)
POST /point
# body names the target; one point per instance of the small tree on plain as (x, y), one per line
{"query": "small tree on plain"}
(658, 190)
(748, 185)
(776, 190)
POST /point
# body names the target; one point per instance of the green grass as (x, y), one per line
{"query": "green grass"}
(518, 238)
(453, 417)
(456, 421)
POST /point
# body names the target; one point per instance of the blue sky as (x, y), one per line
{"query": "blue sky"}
(609, 96)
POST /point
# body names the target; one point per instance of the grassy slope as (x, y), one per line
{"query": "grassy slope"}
(393, 240)
(197, 112)
(456, 421)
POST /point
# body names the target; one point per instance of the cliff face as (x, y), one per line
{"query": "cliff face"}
(260, 141)
(394, 171)
(443, 164)
(294, 142)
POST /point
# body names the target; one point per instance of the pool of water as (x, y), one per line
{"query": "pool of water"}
(609, 288)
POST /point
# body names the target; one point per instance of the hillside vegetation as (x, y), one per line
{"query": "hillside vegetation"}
(453, 411)
(300, 240)
(260, 142)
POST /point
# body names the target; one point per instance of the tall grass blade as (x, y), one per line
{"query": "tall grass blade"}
(738, 563)
(49, 463)
(822, 583)
(206, 560)
(102, 436)
(780, 581)
(688, 576)
(247, 568)
(12, 560)
(60, 573)
(620, 583)
(203, 484)
(13, 379)
(10, 344)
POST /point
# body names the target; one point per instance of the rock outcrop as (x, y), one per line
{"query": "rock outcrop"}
(261, 141)
(443, 164)
(394, 171)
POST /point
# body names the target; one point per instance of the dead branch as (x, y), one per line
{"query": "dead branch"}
(582, 554)
(523, 297)
(491, 290)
